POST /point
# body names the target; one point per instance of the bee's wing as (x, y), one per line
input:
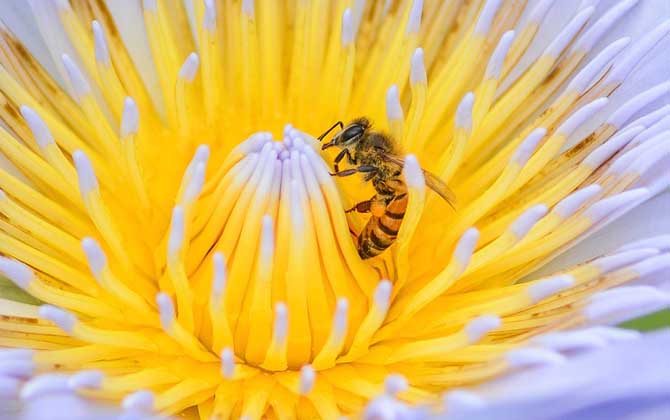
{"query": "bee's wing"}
(432, 181)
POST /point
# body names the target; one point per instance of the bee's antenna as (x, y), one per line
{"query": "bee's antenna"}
(330, 129)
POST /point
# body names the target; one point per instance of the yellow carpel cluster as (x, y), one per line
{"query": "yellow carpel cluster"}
(191, 247)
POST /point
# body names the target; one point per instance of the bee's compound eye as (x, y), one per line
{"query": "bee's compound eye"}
(351, 133)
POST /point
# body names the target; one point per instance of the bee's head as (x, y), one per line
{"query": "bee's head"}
(350, 134)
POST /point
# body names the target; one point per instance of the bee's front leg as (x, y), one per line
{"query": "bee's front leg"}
(348, 172)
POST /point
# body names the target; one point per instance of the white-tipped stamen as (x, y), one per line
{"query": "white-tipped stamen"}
(459, 401)
(393, 108)
(623, 67)
(219, 279)
(581, 116)
(622, 259)
(464, 111)
(97, 260)
(466, 246)
(139, 401)
(76, 77)
(414, 18)
(569, 341)
(614, 334)
(130, 119)
(562, 40)
(195, 184)
(610, 204)
(90, 379)
(177, 231)
(248, 8)
(587, 76)
(497, 59)
(101, 50)
(20, 369)
(620, 307)
(533, 357)
(661, 242)
(43, 385)
(480, 326)
(20, 274)
(527, 147)
(652, 265)
(485, 20)
(209, 17)
(189, 69)
(165, 310)
(417, 72)
(601, 26)
(570, 204)
(348, 32)
(227, 363)
(413, 173)
(548, 287)
(527, 220)
(605, 151)
(632, 106)
(87, 179)
(64, 319)
(395, 384)
(307, 377)
(38, 127)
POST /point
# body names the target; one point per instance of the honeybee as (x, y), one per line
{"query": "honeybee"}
(377, 156)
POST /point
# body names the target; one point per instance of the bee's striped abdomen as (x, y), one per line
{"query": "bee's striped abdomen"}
(380, 232)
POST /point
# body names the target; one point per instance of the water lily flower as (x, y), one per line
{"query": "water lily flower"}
(177, 244)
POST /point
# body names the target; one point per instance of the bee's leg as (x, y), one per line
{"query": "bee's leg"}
(330, 129)
(348, 172)
(339, 157)
(362, 207)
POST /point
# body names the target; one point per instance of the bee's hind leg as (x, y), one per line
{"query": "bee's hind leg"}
(348, 172)
(373, 205)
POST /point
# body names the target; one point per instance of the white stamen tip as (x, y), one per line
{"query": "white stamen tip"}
(573, 202)
(464, 111)
(480, 326)
(101, 50)
(614, 307)
(498, 57)
(598, 29)
(486, 16)
(248, 8)
(139, 401)
(393, 107)
(609, 205)
(586, 77)
(348, 33)
(90, 379)
(195, 184)
(307, 377)
(150, 5)
(533, 357)
(227, 363)
(394, 384)
(209, 18)
(660, 242)
(569, 341)
(130, 119)
(605, 151)
(62, 5)
(19, 273)
(37, 126)
(87, 180)
(466, 246)
(631, 107)
(527, 147)
(417, 72)
(16, 354)
(166, 310)
(176, 239)
(459, 401)
(540, 11)
(413, 173)
(634, 55)
(341, 317)
(382, 295)
(97, 260)
(548, 287)
(614, 334)
(652, 265)
(581, 116)
(281, 321)
(76, 77)
(219, 280)
(527, 220)
(58, 316)
(414, 18)
(43, 385)
(190, 67)
(616, 261)
(562, 40)
(19, 369)
(267, 237)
